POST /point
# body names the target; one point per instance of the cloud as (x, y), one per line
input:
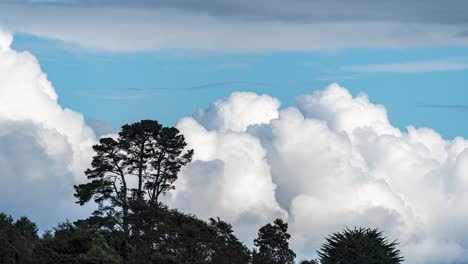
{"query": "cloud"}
(5, 41)
(463, 33)
(44, 148)
(415, 66)
(106, 95)
(445, 106)
(228, 84)
(230, 178)
(239, 111)
(240, 26)
(277, 10)
(100, 127)
(331, 162)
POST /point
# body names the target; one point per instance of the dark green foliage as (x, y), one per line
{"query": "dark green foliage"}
(228, 249)
(17, 239)
(75, 243)
(146, 152)
(187, 239)
(313, 261)
(182, 238)
(8, 236)
(272, 245)
(359, 246)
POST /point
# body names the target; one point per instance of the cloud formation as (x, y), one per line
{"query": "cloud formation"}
(44, 148)
(450, 64)
(277, 10)
(332, 161)
(252, 26)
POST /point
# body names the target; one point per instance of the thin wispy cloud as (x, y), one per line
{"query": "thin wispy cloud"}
(463, 107)
(100, 127)
(228, 84)
(234, 65)
(463, 34)
(240, 26)
(335, 78)
(295, 11)
(135, 93)
(115, 95)
(450, 64)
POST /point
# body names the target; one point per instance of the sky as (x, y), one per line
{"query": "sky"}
(372, 96)
(425, 87)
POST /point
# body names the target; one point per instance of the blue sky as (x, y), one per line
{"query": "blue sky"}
(122, 87)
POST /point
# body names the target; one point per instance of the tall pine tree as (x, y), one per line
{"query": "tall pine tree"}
(129, 173)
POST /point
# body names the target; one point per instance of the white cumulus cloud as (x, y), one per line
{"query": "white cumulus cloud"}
(331, 162)
(44, 148)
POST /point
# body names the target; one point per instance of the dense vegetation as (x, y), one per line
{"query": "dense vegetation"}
(359, 246)
(127, 177)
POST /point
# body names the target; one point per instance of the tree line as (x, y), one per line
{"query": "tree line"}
(127, 177)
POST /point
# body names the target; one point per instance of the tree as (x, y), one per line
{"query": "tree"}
(177, 238)
(189, 239)
(27, 239)
(228, 249)
(8, 235)
(146, 154)
(272, 244)
(75, 243)
(359, 246)
(313, 261)
(17, 239)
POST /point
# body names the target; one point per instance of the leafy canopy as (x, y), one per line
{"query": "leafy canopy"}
(359, 246)
(272, 244)
(128, 175)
